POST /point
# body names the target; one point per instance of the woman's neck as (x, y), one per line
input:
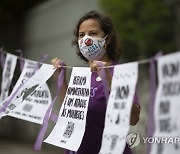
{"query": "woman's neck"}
(103, 59)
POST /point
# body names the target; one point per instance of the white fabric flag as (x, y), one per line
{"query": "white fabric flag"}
(36, 104)
(117, 121)
(167, 106)
(70, 127)
(37, 80)
(7, 76)
(27, 72)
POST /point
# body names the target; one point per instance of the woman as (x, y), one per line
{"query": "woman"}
(96, 42)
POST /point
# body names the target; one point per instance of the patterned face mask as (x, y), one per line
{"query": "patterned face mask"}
(92, 48)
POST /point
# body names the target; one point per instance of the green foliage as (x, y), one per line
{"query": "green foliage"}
(144, 26)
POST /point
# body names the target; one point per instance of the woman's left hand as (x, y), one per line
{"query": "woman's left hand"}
(97, 66)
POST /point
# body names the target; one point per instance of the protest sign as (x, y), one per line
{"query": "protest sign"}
(167, 106)
(8, 73)
(70, 127)
(35, 105)
(117, 121)
(37, 80)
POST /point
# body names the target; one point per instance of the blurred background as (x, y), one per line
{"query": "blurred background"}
(39, 27)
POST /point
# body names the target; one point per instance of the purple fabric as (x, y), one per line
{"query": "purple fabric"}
(136, 99)
(42, 60)
(44, 126)
(6, 103)
(151, 123)
(104, 81)
(42, 131)
(92, 138)
(54, 117)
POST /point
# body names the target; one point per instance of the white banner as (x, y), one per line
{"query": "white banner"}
(70, 127)
(36, 104)
(27, 72)
(7, 76)
(117, 121)
(167, 106)
(37, 80)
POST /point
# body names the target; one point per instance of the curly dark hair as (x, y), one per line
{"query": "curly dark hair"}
(113, 49)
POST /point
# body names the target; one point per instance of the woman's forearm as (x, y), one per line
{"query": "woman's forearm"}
(135, 112)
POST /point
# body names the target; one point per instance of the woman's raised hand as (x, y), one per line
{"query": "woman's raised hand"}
(57, 63)
(96, 66)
